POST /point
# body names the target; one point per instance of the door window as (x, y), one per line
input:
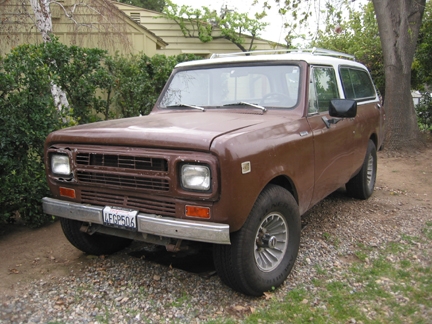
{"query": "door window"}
(322, 89)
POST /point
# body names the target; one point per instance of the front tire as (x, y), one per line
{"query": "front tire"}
(95, 244)
(362, 185)
(262, 253)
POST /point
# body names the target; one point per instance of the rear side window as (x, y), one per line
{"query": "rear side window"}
(357, 84)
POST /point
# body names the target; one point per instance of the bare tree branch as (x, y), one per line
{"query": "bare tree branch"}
(88, 20)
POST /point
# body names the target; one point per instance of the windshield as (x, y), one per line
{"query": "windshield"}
(270, 86)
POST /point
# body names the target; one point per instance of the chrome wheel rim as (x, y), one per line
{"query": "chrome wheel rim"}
(271, 242)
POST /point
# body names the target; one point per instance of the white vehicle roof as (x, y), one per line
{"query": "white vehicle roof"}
(310, 56)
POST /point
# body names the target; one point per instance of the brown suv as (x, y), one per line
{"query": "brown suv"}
(235, 150)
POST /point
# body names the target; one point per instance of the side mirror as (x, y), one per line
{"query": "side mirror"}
(343, 108)
(340, 108)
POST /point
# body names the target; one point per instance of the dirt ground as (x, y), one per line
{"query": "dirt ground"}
(27, 255)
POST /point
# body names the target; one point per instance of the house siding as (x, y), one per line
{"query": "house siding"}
(114, 33)
(171, 33)
(128, 30)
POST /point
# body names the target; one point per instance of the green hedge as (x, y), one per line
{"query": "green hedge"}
(424, 112)
(136, 82)
(97, 86)
(27, 115)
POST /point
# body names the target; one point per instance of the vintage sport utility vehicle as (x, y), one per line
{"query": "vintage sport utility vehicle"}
(235, 150)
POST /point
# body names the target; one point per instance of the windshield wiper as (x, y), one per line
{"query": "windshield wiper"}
(244, 103)
(186, 105)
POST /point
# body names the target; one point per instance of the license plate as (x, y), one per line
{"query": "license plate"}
(120, 218)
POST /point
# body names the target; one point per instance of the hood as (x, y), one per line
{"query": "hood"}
(179, 130)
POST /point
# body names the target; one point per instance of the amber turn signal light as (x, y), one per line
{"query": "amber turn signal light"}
(66, 192)
(197, 211)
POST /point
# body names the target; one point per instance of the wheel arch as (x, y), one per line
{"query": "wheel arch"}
(286, 183)
(374, 138)
(279, 180)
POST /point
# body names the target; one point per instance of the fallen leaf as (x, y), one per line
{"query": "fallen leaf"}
(239, 308)
(267, 295)
(91, 256)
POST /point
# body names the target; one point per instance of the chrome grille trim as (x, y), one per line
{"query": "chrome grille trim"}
(146, 205)
(123, 181)
(122, 161)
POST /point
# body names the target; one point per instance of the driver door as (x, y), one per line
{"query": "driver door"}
(333, 146)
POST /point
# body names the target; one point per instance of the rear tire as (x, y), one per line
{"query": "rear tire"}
(95, 244)
(262, 253)
(362, 185)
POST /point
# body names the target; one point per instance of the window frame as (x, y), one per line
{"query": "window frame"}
(344, 88)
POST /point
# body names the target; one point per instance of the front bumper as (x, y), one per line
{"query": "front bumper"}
(146, 223)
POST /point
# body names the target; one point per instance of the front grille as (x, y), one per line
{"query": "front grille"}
(145, 205)
(122, 161)
(123, 181)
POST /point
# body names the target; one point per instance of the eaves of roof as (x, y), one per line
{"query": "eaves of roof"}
(160, 41)
(161, 14)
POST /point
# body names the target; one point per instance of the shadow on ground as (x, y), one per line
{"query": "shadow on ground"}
(197, 259)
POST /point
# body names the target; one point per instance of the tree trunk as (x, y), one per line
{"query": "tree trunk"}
(399, 24)
(44, 25)
(43, 18)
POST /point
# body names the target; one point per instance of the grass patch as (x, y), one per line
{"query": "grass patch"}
(392, 286)
(331, 239)
(183, 299)
(428, 230)
(320, 271)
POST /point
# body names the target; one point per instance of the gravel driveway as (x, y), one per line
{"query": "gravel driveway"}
(136, 286)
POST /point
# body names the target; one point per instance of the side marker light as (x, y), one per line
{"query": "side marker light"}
(197, 211)
(66, 192)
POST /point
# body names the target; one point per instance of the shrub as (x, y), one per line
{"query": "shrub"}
(81, 73)
(424, 112)
(130, 86)
(138, 80)
(27, 115)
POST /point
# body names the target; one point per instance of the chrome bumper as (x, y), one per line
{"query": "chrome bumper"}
(146, 223)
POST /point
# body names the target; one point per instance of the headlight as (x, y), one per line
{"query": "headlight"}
(195, 177)
(60, 164)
